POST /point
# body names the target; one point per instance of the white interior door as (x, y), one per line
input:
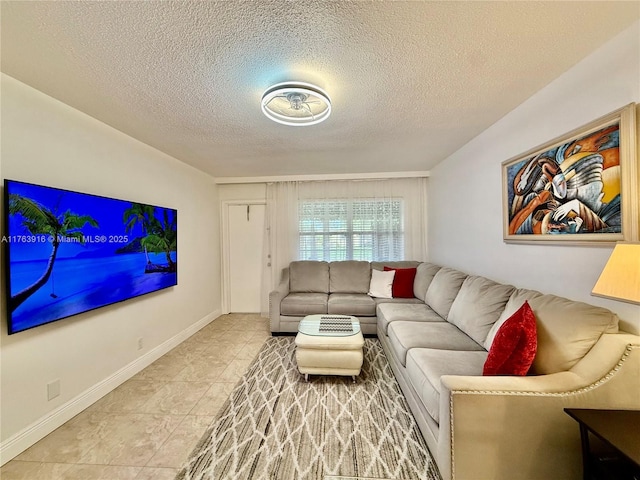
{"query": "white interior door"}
(246, 226)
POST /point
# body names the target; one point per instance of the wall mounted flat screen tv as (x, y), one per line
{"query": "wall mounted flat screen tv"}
(69, 252)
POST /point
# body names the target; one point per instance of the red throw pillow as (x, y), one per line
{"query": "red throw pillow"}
(514, 346)
(403, 282)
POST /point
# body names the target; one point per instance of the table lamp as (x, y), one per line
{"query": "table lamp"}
(620, 278)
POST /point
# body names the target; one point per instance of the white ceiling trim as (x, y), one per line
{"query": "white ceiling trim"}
(311, 178)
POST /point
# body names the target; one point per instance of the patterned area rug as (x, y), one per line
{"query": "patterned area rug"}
(277, 426)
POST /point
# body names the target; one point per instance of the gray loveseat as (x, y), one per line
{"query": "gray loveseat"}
(477, 427)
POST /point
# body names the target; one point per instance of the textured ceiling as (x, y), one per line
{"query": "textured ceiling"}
(411, 82)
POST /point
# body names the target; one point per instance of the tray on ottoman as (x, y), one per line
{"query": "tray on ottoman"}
(329, 345)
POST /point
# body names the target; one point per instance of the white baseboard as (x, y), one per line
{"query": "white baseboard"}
(22, 440)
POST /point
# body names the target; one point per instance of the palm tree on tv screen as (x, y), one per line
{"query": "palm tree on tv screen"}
(139, 213)
(158, 236)
(40, 220)
(162, 237)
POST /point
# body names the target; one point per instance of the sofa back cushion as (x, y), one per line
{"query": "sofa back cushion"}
(443, 290)
(478, 306)
(309, 277)
(349, 276)
(567, 330)
(424, 275)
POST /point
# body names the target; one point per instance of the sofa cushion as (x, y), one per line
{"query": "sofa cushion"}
(404, 336)
(443, 290)
(304, 304)
(309, 277)
(517, 298)
(416, 312)
(566, 331)
(514, 348)
(380, 301)
(478, 305)
(402, 282)
(424, 275)
(349, 276)
(396, 301)
(357, 304)
(425, 367)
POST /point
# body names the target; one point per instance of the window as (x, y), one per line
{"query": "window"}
(358, 229)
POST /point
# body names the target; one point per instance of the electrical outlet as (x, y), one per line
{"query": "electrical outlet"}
(53, 389)
(140, 343)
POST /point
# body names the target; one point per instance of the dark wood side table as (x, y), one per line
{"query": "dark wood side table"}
(619, 429)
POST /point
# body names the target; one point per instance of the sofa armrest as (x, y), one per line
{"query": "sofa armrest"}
(537, 385)
(275, 297)
(516, 428)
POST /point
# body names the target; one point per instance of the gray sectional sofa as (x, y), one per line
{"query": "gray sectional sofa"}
(479, 427)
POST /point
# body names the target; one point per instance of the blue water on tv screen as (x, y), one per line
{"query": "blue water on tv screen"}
(70, 252)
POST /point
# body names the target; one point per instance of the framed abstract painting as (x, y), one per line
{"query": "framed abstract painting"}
(581, 187)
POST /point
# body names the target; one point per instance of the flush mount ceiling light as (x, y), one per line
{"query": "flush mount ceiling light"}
(296, 103)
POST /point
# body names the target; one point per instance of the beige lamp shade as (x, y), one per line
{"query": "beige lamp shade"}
(620, 278)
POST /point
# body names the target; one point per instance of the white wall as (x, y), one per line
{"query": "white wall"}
(49, 143)
(242, 191)
(465, 210)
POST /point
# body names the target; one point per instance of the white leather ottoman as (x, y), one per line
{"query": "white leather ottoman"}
(329, 345)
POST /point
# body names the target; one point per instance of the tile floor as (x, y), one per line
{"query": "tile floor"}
(146, 428)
